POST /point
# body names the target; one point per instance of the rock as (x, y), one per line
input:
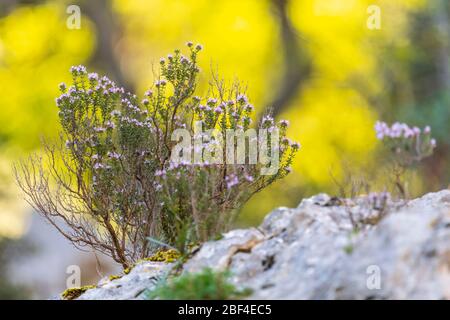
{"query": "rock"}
(220, 253)
(326, 248)
(143, 276)
(411, 250)
(305, 251)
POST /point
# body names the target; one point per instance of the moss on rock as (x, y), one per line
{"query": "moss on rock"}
(73, 293)
(168, 256)
(114, 277)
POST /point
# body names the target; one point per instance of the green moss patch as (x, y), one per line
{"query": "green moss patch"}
(168, 256)
(74, 293)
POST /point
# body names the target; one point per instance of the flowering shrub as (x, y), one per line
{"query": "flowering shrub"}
(408, 145)
(114, 181)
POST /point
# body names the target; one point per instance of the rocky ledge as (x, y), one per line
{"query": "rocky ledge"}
(326, 248)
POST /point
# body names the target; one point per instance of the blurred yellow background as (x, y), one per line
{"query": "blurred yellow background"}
(315, 61)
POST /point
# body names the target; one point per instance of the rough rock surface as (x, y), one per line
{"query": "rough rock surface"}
(130, 286)
(326, 248)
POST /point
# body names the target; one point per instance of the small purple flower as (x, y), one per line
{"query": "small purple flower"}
(184, 60)
(104, 81)
(161, 83)
(284, 123)
(113, 90)
(72, 91)
(295, 146)
(93, 76)
(58, 101)
(381, 129)
(82, 69)
(160, 173)
(242, 98)
(113, 155)
(78, 70)
(248, 178)
(212, 101)
(249, 108)
(98, 166)
(433, 143)
(231, 181)
(267, 120)
(110, 125)
(408, 133)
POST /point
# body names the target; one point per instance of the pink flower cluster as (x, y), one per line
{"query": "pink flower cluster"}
(409, 144)
(400, 130)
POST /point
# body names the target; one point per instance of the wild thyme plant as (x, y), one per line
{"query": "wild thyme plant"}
(113, 181)
(407, 145)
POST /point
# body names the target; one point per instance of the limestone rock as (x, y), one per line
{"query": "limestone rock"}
(326, 248)
(130, 286)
